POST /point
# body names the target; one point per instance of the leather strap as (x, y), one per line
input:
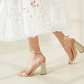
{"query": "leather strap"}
(40, 56)
(67, 37)
(64, 39)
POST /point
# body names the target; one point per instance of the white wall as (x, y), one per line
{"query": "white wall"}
(75, 8)
(76, 12)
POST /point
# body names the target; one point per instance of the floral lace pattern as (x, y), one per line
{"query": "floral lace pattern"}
(20, 19)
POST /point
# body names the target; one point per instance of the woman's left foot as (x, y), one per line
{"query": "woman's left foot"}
(67, 47)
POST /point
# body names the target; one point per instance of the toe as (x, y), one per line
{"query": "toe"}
(20, 73)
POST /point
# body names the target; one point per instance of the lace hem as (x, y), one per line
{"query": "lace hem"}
(21, 19)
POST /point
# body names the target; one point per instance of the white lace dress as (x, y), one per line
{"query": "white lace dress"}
(20, 19)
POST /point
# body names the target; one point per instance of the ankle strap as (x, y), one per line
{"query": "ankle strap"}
(35, 52)
(40, 56)
(64, 39)
(67, 37)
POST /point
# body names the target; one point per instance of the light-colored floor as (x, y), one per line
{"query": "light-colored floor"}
(13, 59)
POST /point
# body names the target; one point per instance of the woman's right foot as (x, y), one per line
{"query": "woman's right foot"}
(32, 62)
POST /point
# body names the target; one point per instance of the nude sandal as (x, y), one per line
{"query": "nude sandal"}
(75, 46)
(43, 68)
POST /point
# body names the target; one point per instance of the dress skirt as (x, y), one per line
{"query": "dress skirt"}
(20, 19)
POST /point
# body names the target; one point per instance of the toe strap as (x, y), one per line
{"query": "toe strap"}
(23, 74)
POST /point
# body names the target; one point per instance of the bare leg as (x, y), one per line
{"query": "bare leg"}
(34, 58)
(65, 44)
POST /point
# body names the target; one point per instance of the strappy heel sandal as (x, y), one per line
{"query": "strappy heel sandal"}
(43, 68)
(75, 46)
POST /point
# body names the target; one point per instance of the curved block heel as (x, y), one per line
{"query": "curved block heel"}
(43, 68)
(79, 47)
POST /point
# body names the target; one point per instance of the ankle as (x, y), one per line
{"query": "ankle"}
(33, 51)
(72, 40)
(37, 55)
(63, 41)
